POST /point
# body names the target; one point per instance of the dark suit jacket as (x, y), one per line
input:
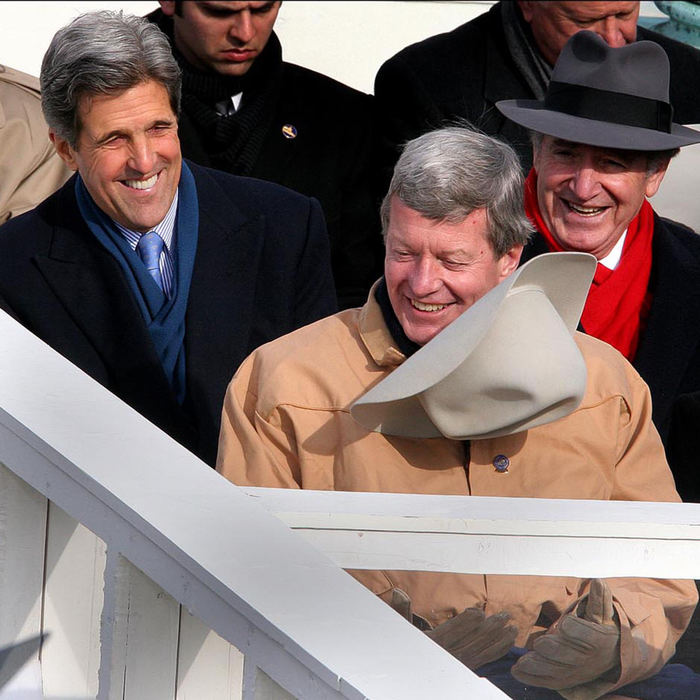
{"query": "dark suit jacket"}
(668, 357)
(330, 159)
(463, 73)
(261, 270)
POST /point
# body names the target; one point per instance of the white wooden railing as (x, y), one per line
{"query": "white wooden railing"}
(157, 578)
(177, 551)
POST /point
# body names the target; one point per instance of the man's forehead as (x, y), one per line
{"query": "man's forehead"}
(124, 110)
(582, 12)
(449, 236)
(617, 152)
(233, 6)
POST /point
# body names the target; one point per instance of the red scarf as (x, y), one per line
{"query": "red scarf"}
(618, 302)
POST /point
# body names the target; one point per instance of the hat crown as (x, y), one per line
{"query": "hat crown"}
(640, 69)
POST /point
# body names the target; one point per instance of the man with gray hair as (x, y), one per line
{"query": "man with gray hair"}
(153, 275)
(298, 414)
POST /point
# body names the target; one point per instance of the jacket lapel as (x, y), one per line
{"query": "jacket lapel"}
(672, 334)
(92, 289)
(221, 309)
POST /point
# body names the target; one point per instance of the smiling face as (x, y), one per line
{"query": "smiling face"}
(436, 270)
(553, 23)
(588, 195)
(225, 37)
(127, 153)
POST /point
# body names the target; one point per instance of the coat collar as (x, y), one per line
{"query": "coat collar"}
(670, 340)
(503, 79)
(91, 287)
(221, 306)
(375, 335)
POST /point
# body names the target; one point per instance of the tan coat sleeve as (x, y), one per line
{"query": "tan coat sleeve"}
(30, 169)
(254, 450)
(653, 613)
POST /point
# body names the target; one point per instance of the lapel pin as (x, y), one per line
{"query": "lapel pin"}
(289, 131)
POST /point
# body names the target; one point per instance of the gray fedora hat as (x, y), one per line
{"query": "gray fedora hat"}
(607, 97)
(507, 364)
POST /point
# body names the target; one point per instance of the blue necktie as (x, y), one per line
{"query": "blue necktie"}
(149, 248)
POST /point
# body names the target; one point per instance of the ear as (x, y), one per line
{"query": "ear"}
(508, 263)
(64, 150)
(526, 9)
(536, 146)
(168, 7)
(654, 180)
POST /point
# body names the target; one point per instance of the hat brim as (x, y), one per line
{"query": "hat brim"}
(533, 115)
(564, 278)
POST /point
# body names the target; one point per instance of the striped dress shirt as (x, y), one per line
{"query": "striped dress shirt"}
(166, 230)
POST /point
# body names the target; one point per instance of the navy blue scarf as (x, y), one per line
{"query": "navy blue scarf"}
(404, 343)
(164, 318)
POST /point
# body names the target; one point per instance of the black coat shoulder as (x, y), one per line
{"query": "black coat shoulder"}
(448, 78)
(249, 195)
(685, 67)
(446, 67)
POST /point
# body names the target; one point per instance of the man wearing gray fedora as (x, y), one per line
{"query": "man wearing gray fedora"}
(603, 138)
(463, 375)
(505, 53)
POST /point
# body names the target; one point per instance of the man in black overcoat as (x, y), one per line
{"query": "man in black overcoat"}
(248, 112)
(155, 276)
(603, 137)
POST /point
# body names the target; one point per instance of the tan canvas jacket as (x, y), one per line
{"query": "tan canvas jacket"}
(286, 423)
(30, 169)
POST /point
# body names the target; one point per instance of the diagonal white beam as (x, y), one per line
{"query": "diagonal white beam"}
(290, 609)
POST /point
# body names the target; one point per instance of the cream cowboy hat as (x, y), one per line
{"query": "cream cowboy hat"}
(507, 364)
(607, 97)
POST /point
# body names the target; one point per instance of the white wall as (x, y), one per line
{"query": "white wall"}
(346, 40)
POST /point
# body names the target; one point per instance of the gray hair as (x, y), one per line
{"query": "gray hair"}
(102, 53)
(447, 174)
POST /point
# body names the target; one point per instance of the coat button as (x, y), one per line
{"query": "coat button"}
(501, 463)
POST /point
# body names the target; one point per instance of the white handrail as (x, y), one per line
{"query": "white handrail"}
(310, 626)
(488, 535)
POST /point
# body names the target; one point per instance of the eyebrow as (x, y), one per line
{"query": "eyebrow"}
(225, 10)
(564, 142)
(122, 132)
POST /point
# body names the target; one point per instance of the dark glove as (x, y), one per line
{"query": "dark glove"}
(581, 648)
(470, 636)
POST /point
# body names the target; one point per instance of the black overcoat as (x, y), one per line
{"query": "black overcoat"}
(317, 140)
(668, 356)
(261, 270)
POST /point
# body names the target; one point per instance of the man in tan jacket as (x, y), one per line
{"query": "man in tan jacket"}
(30, 169)
(454, 230)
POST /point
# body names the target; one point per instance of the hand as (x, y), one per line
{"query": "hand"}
(582, 647)
(474, 638)
(401, 603)
(470, 636)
